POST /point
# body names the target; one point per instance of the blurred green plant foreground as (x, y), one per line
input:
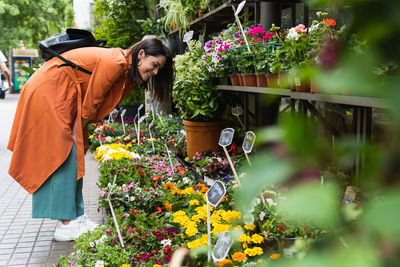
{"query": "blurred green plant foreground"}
(359, 236)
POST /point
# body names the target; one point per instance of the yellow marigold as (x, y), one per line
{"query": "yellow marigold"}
(253, 251)
(187, 191)
(202, 241)
(168, 206)
(245, 238)
(224, 262)
(256, 238)
(91, 136)
(249, 226)
(245, 245)
(239, 256)
(191, 231)
(194, 202)
(219, 228)
(156, 265)
(275, 256)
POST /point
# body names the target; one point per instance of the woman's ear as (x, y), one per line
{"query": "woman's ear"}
(141, 54)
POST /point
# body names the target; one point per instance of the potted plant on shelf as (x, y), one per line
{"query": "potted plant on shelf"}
(200, 104)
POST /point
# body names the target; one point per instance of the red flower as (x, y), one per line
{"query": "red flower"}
(159, 211)
(281, 228)
(306, 228)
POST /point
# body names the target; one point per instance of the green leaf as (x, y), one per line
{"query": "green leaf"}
(382, 215)
(264, 171)
(312, 202)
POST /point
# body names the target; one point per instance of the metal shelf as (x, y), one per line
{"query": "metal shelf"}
(361, 101)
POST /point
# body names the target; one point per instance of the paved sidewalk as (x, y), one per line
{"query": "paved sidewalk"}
(25, 241)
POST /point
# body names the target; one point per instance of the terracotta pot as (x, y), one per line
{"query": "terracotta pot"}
(240, 79)
(234, 79)
(250, 79)
(202, 136)
(272, 80)
(261, 80)
(283, 80)
(301, 85)
(314, 88)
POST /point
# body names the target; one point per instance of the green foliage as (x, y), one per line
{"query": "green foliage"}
(194, 93)
(32, 21)
(117, 21)
(135, 97)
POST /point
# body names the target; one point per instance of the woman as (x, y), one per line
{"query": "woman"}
(49, 134)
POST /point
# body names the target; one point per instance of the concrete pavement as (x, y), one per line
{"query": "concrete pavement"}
(25, 241)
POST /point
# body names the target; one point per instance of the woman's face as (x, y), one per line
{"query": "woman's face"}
(149, 66)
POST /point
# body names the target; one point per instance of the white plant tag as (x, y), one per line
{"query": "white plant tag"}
(222, 247)
(248, 141)
(188, 36)
(226, 137)
(237, 111)
(216, 193)
(297, 81)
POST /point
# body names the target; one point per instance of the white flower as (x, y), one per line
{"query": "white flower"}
(248, 218)
(262, 215)
(292, 34)
(185, 180)
(132, 199)
(166, 242)
(313, 27)
(92, 244)
(100, 240)
(99, 263)
(109, 139)
(138, 190)
(271, 202)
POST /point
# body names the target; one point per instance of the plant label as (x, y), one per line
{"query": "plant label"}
(248, 141)
(216, 193)
(188, 36)
(112, 115)
(237, 111)
(226, 137)
(240, 7)
(141, 119)
(222, 246)
(123, 112)
(140, 107)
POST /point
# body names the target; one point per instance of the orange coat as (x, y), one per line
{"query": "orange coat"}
(52, 101)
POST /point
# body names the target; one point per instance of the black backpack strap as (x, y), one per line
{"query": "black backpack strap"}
(67, 62)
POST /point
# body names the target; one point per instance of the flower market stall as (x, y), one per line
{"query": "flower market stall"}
(307, 194)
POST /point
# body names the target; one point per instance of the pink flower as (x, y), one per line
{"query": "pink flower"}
(266, 36)
(300, 28)
(103, 192)
(318, 13)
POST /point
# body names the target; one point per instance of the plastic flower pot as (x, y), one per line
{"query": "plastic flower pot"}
(250, 79)
(261, 80)
(202, 136)
(234, 79)
(240, 76)
(301, 85)
(272, 80)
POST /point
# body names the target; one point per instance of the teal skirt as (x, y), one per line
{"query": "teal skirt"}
(60, 197)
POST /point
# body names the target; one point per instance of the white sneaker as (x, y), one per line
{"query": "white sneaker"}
(67, 232)
(86, 223)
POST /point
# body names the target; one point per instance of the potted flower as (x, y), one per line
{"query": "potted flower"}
(200, 104)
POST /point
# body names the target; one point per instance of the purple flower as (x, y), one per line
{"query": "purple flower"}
(246, 29)
(208, 46)
(219, 41)
(237, 35)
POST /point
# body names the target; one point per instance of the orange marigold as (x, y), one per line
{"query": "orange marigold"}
(329, 22)
(275, 256)
(239, 256)
(168, 206)
(223, 262)
(168, 185)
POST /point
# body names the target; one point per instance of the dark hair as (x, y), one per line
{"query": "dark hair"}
(163, 80)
